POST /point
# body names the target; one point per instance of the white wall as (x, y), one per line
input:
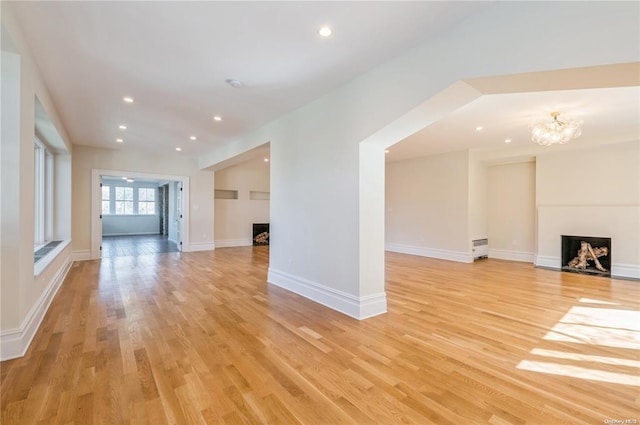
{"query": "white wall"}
(11, 235)
(593, 192)
(201, 211)
(25, 296)
(118, 225)
(234, 217)
(478, 198)
(604, 175)
(511, 211)
(316, 159)
(62, 204)
(427, 206)
(200, 183)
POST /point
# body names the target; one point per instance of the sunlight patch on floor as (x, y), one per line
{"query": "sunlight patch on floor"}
(592, 301)
(604, 317)
(583, 334)
(579, 372)
(586, 358)
(598, 326)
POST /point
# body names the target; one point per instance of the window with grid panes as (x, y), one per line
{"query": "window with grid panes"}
(124, 200)
(106, 199)
(146, 200)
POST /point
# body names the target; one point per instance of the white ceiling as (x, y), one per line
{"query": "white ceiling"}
(608, 114)
(173, 58)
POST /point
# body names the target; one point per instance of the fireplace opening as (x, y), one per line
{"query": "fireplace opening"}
(585, 254)
(260, 234)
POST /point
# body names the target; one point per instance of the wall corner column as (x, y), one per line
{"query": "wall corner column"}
(372, 296)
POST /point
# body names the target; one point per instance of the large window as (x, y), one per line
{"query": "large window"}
(128, 200)
(124, 200)
(146, 200)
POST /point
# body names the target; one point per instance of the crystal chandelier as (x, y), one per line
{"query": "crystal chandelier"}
(556, 131)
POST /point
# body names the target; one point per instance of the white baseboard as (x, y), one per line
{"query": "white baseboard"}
(15, 342)
(504, 254)
(548, 262)
(203, 246)
(228, 243)
(624, 271)
(351, 305)
(461, 257)
(82, 255)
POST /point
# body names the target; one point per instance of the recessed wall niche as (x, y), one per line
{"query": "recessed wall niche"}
(255, 195)
(225, 194)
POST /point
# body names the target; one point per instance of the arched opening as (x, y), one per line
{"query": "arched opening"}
(402, 138)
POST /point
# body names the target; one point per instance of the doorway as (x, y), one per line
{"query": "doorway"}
(138, 213)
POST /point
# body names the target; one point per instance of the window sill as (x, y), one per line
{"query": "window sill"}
(42, 264)
(42, 245)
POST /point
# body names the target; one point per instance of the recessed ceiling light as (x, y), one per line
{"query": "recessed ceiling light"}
(122, 127)
(130, 180)
(178, 149)
(119, 140)
(266, 160)
(507, 140)
(479, 128)
(193, 137)
(325, 31)
(217, 118)
(128, 99)
(236, 84)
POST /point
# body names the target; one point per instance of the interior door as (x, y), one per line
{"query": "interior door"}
(96, 211)
(178, 217)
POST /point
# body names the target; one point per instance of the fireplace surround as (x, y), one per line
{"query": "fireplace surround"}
(260, 234)
(586, 254)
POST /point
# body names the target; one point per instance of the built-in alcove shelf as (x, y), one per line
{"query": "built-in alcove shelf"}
(225, 194)
(255, 195)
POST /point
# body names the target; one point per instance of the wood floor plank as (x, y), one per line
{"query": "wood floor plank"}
(201, 338)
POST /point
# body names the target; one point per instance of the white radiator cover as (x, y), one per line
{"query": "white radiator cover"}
(480, 248)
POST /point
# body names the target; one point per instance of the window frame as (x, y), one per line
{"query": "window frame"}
(146, 202)
(43, 174)
(124, 200)
(103, 200)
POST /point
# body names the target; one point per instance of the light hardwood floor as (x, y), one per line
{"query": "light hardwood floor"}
(202, 338)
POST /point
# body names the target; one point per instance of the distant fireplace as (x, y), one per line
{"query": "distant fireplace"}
(584, 254)
(260, 234)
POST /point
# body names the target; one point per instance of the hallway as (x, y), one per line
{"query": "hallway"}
(136, 245)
